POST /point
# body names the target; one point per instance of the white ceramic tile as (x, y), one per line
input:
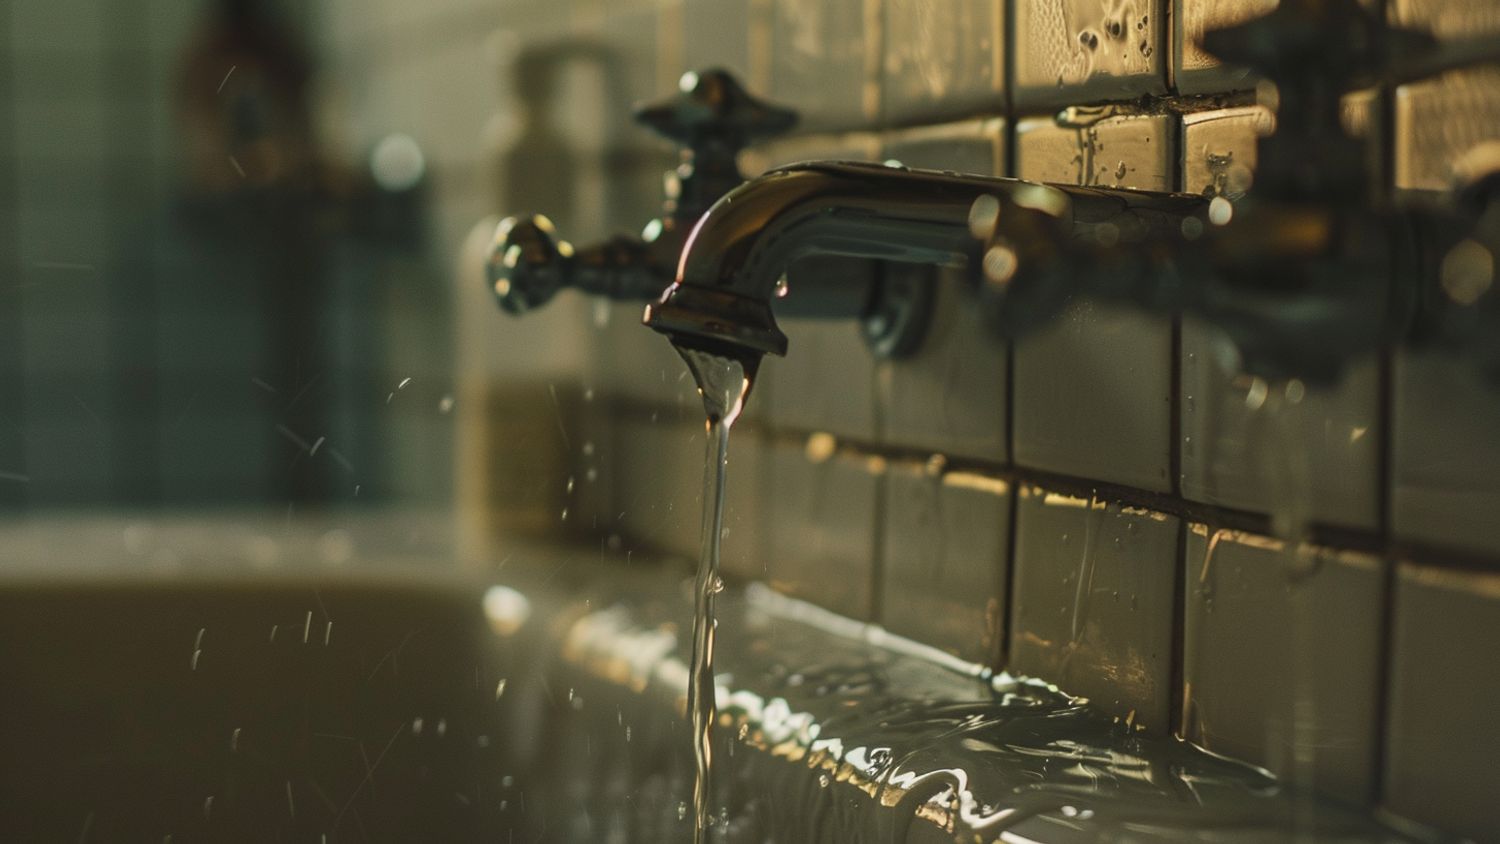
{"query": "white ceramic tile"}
(1445, 473)
(744, 552)
(1281, 653)
(949, 396)
(1072, 51)
(946, 542)
(1440, 120)
(1092, 390)
(942, 59)
(822, 528)
(1196, 70)
(1091, 602)
(1243, 444)
(793, 391)
(658, 468)
(1441, 741)
(824, 59)
(716, 33)
(1248, 444)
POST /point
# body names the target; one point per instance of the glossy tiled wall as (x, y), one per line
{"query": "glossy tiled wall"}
(1097, 504)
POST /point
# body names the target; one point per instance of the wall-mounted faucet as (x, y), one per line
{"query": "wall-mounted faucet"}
(712, 119)
(730, 272)
(1309, 271)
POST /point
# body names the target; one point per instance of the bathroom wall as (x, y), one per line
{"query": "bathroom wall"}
(1106, 504)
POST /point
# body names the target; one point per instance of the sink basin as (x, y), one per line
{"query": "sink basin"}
(247, 710)
(542, 700)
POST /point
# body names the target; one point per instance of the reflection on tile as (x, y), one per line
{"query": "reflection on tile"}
(1218, 149)
(946, 540)
(1281, 658)
(1091, 393)
(1445, 474)
(819, 352)
(821, 61)
(1248, 444)
(1092, 389)
(969, 146)
(1439, 121)
(1070, 51)
(1197, 71)
(950, 395)
(942, 59)
(822, 545)
(849, 146)
(1091, 607)
(1122, 151)
(1441, 738)
(801, 397)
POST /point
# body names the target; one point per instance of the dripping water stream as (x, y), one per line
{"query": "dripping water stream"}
(724, 383)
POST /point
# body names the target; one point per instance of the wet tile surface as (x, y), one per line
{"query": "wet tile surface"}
(942, 59)
(945, 548)
(1439, 121)
(819, 352)
(822, 545)
(1441, 738)
(659, 486)
(1281, 658)
(1198, 71)
(823, 61)
(950, 395)
(1092, 389)
(716, 33)
(1072, 51)
(1092, 602)
(1445, 475)
(1302, 453)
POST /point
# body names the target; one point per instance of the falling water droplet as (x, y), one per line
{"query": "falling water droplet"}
(500, 688)
(1220, 211)
(782, 288)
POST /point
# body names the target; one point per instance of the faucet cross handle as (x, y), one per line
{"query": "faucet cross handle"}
(712, 118)
(1337, 42)
(712, 109)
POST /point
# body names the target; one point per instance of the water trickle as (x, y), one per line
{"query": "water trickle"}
(723, 383)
